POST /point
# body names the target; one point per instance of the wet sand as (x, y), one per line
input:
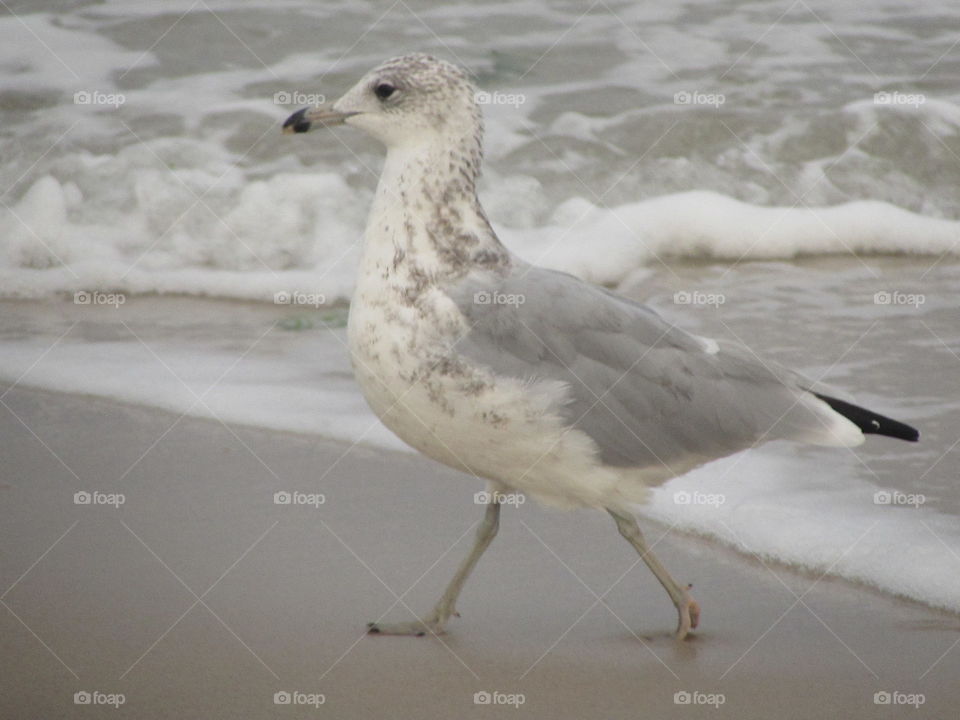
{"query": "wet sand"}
(199, 596)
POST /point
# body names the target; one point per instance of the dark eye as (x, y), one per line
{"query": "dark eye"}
(384, 90)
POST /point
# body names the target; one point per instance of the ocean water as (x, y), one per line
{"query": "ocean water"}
(779, 174)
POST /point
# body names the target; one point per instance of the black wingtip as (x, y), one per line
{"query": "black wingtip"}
(296, 122)
(871, 423)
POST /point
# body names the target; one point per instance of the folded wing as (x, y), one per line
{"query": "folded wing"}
(645, 391)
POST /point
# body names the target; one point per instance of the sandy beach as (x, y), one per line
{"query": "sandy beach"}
(183, 587)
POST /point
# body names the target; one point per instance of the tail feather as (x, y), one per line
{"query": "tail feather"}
(871, 423)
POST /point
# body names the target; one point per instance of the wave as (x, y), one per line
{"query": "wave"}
(183, 233)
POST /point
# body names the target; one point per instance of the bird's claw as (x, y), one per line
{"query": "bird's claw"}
(417, 628)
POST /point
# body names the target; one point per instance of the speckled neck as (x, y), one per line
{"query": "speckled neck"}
(426, 218)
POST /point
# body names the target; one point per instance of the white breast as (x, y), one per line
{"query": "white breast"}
(402, 331)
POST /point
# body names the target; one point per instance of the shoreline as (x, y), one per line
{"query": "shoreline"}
(757, 559)
(705, 534)
(558, 611)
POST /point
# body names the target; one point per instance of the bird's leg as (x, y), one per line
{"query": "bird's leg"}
(446, 606)
(687, 607)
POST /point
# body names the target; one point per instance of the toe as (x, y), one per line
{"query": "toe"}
(694, 613)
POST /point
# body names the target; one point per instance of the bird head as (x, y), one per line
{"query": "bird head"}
(409, 100)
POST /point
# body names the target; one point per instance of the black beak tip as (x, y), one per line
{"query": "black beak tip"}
(296, 122)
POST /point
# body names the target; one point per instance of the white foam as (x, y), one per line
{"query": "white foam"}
(287, 381)
(243, 240)
(250, 239)
(42, 53)
(605, 245)
(827, 521)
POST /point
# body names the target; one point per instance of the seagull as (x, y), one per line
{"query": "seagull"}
(531, 379)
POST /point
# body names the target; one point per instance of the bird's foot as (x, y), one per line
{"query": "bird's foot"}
(689, 613)
(434, 624)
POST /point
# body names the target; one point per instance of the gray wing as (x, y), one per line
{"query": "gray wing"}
(647, 392)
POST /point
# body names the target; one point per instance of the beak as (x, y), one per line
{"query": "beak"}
(303, 120)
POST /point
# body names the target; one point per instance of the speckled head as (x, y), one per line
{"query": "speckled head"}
(408, 100)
